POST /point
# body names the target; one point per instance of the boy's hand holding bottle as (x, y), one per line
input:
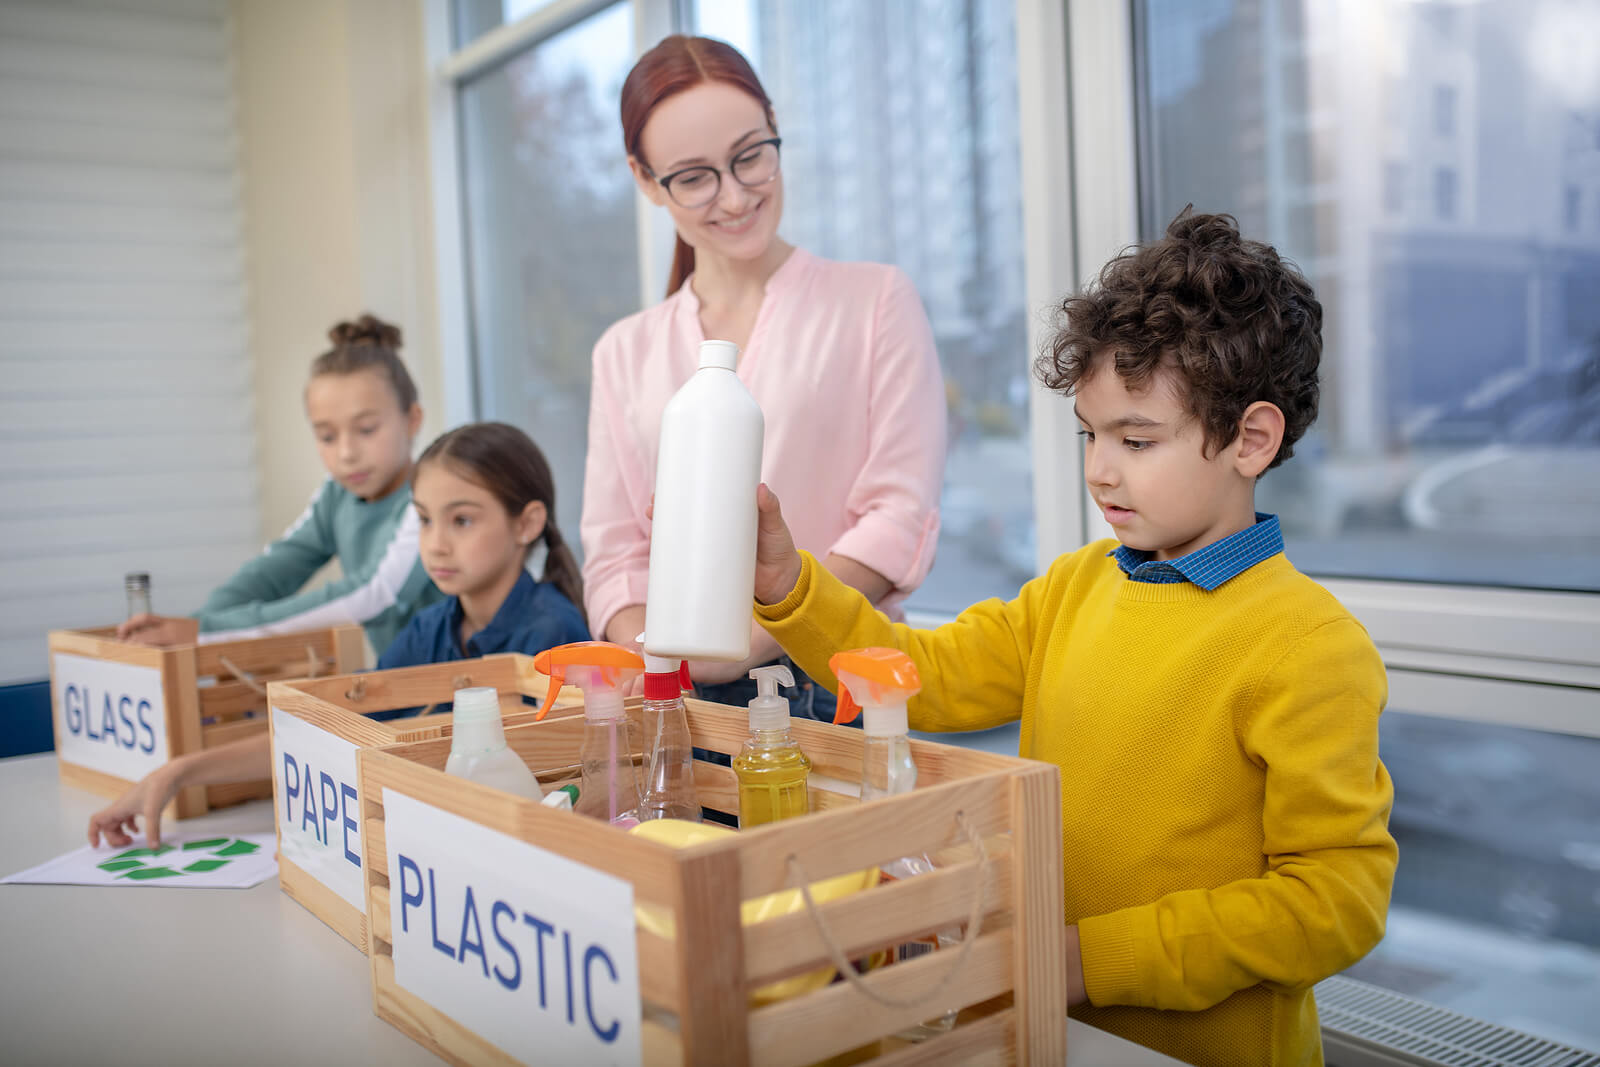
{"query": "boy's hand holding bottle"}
(777, 560)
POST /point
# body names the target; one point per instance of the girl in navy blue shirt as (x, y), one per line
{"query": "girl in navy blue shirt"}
(486, 508)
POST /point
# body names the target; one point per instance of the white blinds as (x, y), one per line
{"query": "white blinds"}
(126, 428)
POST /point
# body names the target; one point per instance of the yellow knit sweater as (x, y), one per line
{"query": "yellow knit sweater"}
(1224, 811)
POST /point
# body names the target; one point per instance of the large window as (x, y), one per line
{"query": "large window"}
(550, 235)
(1419, 159)
(1416, 158)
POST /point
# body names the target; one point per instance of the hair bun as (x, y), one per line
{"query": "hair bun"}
(369, 330)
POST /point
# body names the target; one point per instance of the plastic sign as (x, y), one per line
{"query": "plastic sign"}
(318, 811)
(530, 950)
(110, 717)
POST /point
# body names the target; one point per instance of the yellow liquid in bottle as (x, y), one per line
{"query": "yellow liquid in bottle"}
(772, 782)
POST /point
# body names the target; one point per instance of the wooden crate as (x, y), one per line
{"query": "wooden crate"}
(692, 1005)
(318, 725)
(121, 710)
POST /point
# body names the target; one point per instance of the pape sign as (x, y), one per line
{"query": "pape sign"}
(318, 809)
(110, 717)
(533, 951)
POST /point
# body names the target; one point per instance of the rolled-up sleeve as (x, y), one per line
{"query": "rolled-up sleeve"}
(893, 505)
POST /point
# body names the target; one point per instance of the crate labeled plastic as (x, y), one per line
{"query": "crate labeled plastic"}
(506, 932)
(120, 710)
(318, 726)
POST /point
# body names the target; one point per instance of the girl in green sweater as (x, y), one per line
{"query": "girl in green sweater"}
(363, 410)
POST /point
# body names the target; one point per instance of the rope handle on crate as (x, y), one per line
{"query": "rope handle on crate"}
(313, 667)
(974, 928)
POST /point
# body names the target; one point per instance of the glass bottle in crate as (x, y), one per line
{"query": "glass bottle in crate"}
(137, 585)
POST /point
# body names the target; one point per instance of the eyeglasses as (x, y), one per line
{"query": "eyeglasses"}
(693, 187)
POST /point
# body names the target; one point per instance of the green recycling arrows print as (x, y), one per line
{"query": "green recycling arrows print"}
(168, 861)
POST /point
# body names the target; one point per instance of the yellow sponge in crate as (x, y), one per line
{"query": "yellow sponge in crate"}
(658, 920)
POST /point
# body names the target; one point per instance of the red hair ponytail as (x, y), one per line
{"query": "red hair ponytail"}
(676, 64)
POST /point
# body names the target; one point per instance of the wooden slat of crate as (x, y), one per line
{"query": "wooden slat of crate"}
(407, 687)
(851, 838)
(282, 652)
(943, 898)
(988, 1040)
(810, 1028)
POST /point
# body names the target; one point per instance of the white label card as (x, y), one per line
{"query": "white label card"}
(534, 952)
(110, 717)
(318, 811)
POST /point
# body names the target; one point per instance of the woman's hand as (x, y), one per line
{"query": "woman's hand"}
(152, 793)
(148, 629)
(777, 560)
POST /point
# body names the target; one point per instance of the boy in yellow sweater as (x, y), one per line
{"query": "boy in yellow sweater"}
(1214, 712)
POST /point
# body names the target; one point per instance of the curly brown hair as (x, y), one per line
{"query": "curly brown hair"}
(1233, 321)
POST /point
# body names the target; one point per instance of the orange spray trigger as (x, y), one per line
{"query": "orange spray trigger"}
(558, 678)
(872, 677)
(847, 709)
(601, 663)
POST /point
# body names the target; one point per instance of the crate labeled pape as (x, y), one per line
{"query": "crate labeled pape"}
(318, 725)
(121, 710)
(506, 932)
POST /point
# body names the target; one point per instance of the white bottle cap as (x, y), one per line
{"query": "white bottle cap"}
(475, 722)
(722, 354)
(660, 664)
(770, 711)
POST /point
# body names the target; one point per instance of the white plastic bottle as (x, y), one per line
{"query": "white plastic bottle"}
(478, 750)
(703, 541)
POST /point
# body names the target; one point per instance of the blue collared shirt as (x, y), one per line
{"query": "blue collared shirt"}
(1206, 567)
(534, 617)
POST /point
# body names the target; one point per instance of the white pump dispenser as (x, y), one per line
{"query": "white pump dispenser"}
(769, 710)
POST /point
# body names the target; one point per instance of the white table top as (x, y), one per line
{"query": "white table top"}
(137, 976)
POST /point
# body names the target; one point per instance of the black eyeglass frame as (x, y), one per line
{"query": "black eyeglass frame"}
(666, 181)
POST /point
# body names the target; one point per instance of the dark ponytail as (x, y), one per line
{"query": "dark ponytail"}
(561, 567)
(506, 462)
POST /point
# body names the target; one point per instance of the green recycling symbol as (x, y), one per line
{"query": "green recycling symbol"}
(143, 864)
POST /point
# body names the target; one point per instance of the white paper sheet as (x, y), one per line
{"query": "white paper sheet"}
(189, 861)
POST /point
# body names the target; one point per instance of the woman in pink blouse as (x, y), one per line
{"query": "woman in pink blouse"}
(840, 357)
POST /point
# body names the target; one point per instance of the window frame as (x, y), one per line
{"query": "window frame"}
(1514, 657)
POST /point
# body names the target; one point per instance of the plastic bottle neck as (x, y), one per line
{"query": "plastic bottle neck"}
(888, 720)
(475, 724)
(603, 705)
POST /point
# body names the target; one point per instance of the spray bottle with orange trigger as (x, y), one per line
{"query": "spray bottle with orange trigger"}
(877, 683)
(610, 788)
